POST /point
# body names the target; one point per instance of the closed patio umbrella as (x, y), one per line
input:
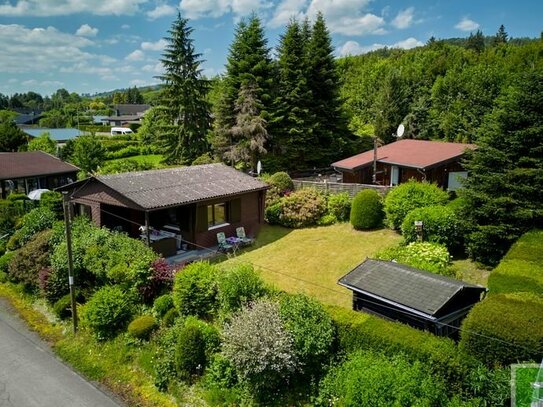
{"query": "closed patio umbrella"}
(36, 194)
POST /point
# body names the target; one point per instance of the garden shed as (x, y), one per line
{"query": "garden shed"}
(184, 205)
(418, 298)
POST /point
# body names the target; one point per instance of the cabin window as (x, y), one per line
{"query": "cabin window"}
(216, 215)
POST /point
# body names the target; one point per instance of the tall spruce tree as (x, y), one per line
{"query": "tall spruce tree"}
(183, 98)
(248, 64)
(330, 126)
(504, 191)
(293, 143)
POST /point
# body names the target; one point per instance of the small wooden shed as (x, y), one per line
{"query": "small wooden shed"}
(421, 299)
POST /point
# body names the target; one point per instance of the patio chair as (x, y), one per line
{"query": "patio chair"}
(223, 244)
(240, 232)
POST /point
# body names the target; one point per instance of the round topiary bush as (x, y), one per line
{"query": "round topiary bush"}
(272, 215)
(302, 208)
(190, 355)
(142, 327)
(440, 225)
(169, 317)
(282, 181)
(366, 210)
(108, 311)
(162, 305)
(63, 307)
(411, 195)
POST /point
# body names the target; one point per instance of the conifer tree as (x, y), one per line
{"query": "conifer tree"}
(248, 64)
(501, 36)
(293, 142)
(183, 97)
(329, 127)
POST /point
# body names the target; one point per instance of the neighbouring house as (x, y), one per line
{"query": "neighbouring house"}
(418, 298)
(187, 205)
(27, 171)
(434, 161)
(61, 136)
(126, 114)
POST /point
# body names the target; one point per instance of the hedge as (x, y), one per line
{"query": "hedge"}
(516, 323)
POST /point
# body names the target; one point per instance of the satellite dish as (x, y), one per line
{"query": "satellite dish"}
(400, 130)
(258, 167)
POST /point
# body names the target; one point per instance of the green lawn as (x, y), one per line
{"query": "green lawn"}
(468, 270)
(311, 260)
(154, 159)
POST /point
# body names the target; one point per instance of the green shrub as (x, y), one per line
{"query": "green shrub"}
(162, 305)
(220, 373)
(311, 328)
(63, 307)
(195, 290)
(205, 158)
(3, 277)
(27, 262)
(169, 317)
(142, 327)
(35, 221)
(339, 205)
(504, 329)
(405, 197)
(5, 259)
(211, 335)
(108, 311)
(366, 210)
(272, 215)
(302, 208)
(190, 357)
(372, 379)
(282, 181)
(53, 201)
(440, 225)
(327, 220)
(237, 286)
(427, 256)
(261, 349)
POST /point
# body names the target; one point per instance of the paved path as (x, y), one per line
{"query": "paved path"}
(32, 376)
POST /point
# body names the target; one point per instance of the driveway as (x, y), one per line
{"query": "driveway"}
(32, 376)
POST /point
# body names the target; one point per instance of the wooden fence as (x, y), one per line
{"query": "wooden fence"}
(337, 187)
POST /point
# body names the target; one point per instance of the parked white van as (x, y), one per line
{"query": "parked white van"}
(121, 130)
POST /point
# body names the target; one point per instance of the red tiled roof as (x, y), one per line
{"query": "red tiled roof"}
(32, 164)
(407, 153)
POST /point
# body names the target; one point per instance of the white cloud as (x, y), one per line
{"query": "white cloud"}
(138, 82)
(404, 18)
(467, 24)
(125, 26)
(216, 8)
(86, 31)
(162, 10)
(154, 46)
(354, 48)
(137, 55)
(342, 16)
(48, 8)
(156, 68)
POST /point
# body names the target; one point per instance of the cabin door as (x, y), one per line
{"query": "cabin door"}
(394, 175)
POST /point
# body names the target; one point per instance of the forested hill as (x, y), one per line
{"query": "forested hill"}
(442, 90)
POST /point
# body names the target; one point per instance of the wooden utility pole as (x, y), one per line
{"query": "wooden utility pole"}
(68, 228)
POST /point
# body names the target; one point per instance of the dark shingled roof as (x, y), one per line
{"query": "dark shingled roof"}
(177, 186)
(404, 285)
(31, 164)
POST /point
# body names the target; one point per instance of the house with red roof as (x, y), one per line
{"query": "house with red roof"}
(423, 160)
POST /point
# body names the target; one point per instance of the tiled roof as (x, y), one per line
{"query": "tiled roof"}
(404, 285)
(407, 153)
(32, 164)
(177, 186)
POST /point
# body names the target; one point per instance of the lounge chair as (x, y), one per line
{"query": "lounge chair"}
(240, 232)
(223, 244)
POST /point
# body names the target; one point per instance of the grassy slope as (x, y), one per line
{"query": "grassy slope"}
(318, 256)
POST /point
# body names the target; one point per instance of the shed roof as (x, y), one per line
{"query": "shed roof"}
(32, 164)
(55, 134)
(405, 286)
(156, 189)
(408, 153)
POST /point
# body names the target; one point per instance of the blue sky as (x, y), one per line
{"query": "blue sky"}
(91, 46)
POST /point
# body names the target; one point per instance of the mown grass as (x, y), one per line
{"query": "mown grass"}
(311, 260)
